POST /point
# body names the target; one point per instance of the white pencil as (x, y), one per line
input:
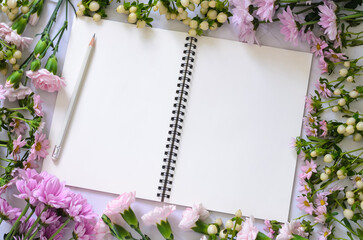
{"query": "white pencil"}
(72, 103)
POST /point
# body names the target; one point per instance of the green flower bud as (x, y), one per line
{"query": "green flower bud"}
(41, 45)
(35, 65)
(20, 24)
(15, 77)
(130, 218)
(165, 229)
(52, 64)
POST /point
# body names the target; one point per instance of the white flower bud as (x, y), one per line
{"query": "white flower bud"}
(349, 194)
(167, 15)
(346, 134)
(193, 24)
(120, 9)
(140, 24)
(222, 17)
(12, 60)
(359, 184)
(1, 55)
(341, 177)
(335, 109)
(213, 27)
(238, 213)
(79, 13)
(348, 214)
(350, 121)
(353, 94)
(196, 1)
(79, 3)
(183, 15)
(159, 4)
(204, 25)
(349, 129)
(212, 14)
(96, 17)
(14, 10)
(180, 10)
(219, 222)
(192, 32)
(11, 16)
(204, 4)
(359, 126)
(340, 172)
(343, 72)
(350, 79)
(132, 18)
(337, 91)
(184, 3)
(347, 64)
(24, 9)
(203, 11)
(15, 67)
(133, 9)
(238, 227)
(17, 54)
(229, 224)
(172, 16)
(212, 4)
(12, 3)
(191, 7)
(5, 9)
(357, 137)
(360, 195)
(187, 21)
(350, 201)
(328, 171)
(223, 233)
(342, 102)
(94, 6)
(324, 177)
(212, 229)
(81, 8)
(313, 154)
(163, 10)
(4, 71)
(155, 8)
(328, 158)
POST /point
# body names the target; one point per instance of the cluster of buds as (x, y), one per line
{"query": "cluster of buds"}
(95, 8)
(353, 126)
(212, 14)
(9, 54)
(14, 9)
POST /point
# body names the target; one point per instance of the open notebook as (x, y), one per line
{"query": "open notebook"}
(132, 129)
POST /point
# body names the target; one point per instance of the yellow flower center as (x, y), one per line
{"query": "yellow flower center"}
(311, 119)
(318, 47)
(38, 146)
(17, 123)
(309, 170)
(306, 187)
(322, 202)
(306, 203)
(326, 234)
(357, 178)
(16, 150)
(334, 56)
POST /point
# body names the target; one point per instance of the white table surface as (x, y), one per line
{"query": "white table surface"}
(268, 35)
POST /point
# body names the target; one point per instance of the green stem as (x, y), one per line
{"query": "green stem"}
(60, 229)
(35, 223)
(344, 225)
(15, 227)
(35, 233)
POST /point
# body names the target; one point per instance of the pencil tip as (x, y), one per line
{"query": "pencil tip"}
(92, 42)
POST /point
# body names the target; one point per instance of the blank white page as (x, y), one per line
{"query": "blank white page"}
(117, 137)
(245, 104)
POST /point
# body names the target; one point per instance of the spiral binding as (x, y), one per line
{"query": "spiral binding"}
(177, 119)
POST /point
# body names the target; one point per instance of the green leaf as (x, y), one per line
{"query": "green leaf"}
(261, 236)
(297, 237)
(130, 218)
(116, 230)
(353, 4)
(165, 229)
(347, 224)
(360, 233)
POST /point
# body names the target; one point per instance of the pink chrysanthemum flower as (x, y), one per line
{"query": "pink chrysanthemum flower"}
(321, 202)
(288, 229)
(324, 233)
(79, 209)
(45, 80)
(304, 187)
(243, 20)
(323, 65)
(310, 120)
(192, 215)
(157, 215)
(14, 94)
(310, 131)
(47, 232)
(266, 9)
(324, 128)
(305, 205)
(289, 28)
(17, 145)
(309, 104)
(18, 127)
(268, 229)
(7, 212)
(2, 92)
(84, 230)
(249, 230)
(40, 146)
(322, 89)
(328, 20)
(308, 169)
(335, 57)
(10, 36)
(318, 46)
(38, 106)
